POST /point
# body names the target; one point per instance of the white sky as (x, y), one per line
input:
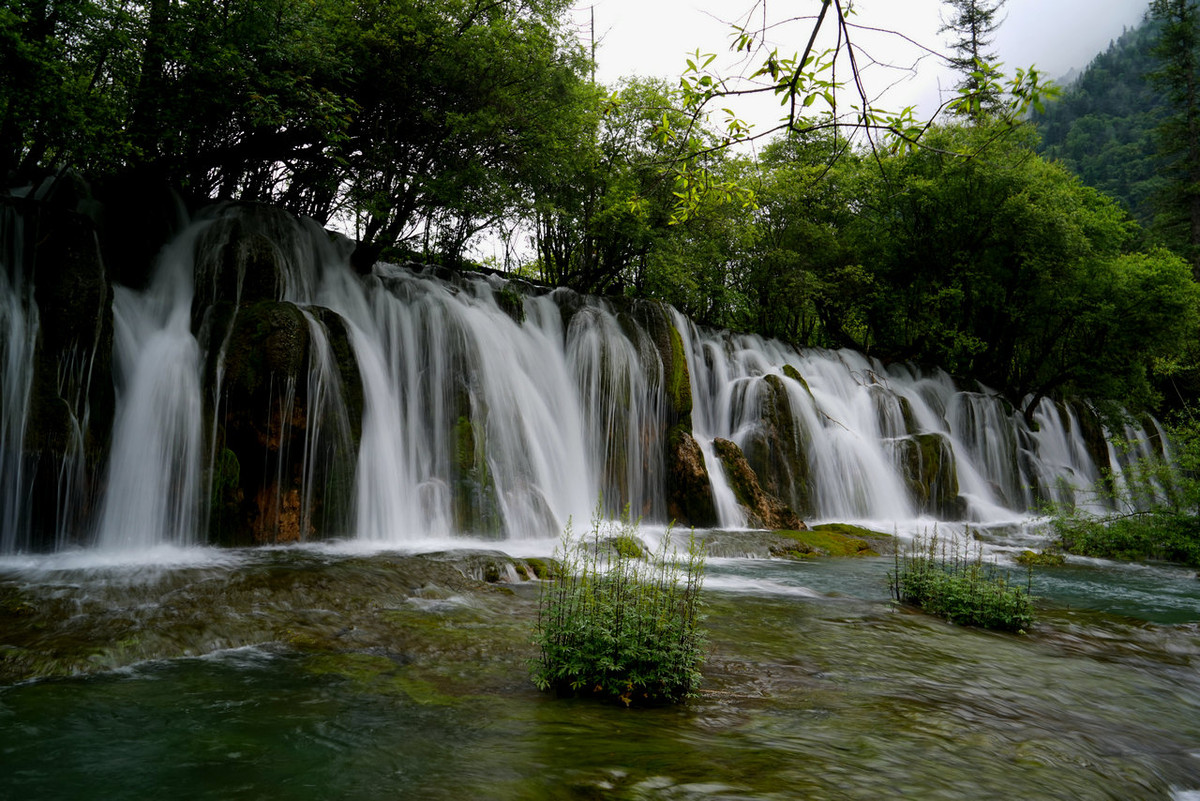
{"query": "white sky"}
(654, 37)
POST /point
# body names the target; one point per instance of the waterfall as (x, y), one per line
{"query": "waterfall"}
(859, 416)
(266, 392)
(18, 337)
(155, 469)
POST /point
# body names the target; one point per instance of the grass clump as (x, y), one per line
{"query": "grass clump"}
(621, 626)
(946, 580)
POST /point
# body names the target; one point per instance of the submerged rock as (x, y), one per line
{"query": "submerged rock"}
(825, 540)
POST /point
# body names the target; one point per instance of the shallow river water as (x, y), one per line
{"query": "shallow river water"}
(297, 674)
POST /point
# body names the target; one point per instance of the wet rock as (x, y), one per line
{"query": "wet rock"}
(689, 491)
(762, 509)
(927, 461)
(492, 567)
(826, 540)
(71, 399)
(656, 320)
(274, 480)
(776, 450)
(241, 257)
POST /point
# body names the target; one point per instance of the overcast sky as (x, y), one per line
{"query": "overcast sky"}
(653, 38)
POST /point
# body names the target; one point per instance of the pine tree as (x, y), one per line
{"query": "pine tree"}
(973, 23)
(1178, 76)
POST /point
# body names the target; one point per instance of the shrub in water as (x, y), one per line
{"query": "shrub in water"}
(618, 625)
(947, 581)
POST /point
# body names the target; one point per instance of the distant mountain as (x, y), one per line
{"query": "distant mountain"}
(1102, 127)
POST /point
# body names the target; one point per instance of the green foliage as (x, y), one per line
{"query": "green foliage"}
(1156, 507)
(1102, 127)
(973, 24)
(1004, 267)
(1177, 75)
(620, 624)
(946, 580)
(414, 120)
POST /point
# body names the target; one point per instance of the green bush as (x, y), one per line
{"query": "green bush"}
(621, 626)
(1156, 507)
(944, 579)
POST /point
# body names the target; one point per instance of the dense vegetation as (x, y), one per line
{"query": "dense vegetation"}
(620, 623)
(419, 125)
(1156, 508)
(945, 579)
(1102, 128)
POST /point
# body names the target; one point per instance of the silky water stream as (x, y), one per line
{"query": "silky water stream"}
(325, 674)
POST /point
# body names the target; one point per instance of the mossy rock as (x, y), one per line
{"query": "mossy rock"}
(511, 301)
(626, 546)
(794, 374)
(491, 567)
(689, 492)
(776, 449)
(763, 509)
(1045, 558)
(655, 320)
(927, 461)
(831, 540)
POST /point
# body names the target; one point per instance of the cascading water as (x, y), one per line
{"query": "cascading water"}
(18, 337)
(268, 393)
(873, 433)
(156, 466)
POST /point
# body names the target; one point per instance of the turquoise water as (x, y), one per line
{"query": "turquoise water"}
(815, 687)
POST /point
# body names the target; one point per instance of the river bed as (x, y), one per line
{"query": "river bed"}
(310, 674)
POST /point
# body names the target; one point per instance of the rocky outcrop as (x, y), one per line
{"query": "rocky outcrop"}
(284, 462)
(927, 463)
(776, 448)
(763, 510)
(655, 320)
(71, 397)
(689, 493)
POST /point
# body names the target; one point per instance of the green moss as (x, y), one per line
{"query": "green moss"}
(226, 474)
(679, 381)
(931, 475)
(511, 302)
(1048, 558)
(372, 673)
(542, 568)
(832, 539)
(464, 444)
(627, 546)
(794, 374)
(850, 530)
